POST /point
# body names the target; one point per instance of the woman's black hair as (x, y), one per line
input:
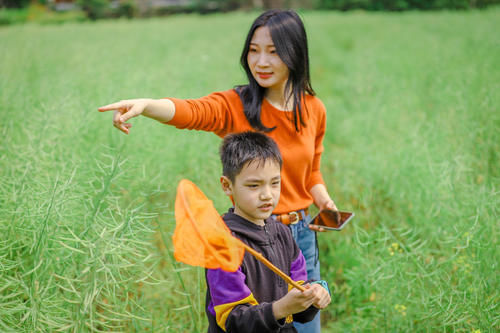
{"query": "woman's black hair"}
(289, 38)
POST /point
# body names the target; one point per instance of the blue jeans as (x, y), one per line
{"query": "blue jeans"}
(306, 239)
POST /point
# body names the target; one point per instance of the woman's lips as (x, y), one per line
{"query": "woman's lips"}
(264, 75)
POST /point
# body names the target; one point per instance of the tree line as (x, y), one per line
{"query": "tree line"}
(95, 9)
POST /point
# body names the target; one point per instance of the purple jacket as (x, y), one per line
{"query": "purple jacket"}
(242, 301)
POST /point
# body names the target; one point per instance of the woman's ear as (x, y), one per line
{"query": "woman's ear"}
(226, 185)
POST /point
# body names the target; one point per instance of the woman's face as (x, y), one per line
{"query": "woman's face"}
(266, 66)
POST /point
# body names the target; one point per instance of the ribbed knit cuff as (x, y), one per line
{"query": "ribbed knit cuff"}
(182, 113)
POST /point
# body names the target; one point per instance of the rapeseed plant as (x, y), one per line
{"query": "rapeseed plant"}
(412, 144)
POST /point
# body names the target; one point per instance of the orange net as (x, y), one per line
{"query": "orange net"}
(201, 237)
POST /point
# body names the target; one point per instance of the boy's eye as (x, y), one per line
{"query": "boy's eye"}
(252, 185)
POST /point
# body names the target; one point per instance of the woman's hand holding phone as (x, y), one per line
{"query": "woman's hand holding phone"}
(327, 205)
(328, 219)
(316, 228)
(334, 213)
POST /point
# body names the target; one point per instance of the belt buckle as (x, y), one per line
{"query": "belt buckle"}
(296, 215)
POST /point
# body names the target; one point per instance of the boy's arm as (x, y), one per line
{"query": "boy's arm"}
(234, 306)
(306, 315)
(302, 305)
(294, 303)
(321, 299)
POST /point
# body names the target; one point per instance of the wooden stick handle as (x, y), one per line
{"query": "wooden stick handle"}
(275, 269)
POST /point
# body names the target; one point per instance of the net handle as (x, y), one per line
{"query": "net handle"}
(275, 269)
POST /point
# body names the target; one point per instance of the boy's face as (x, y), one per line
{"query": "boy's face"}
(255, 190)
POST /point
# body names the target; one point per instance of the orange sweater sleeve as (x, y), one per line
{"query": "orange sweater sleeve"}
(212, 113)
(316, 176)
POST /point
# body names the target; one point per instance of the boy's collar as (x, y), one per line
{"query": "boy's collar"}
(231, 211)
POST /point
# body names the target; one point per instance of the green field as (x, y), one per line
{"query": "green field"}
(413, 145)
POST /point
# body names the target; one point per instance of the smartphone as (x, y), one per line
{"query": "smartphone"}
(331, 220)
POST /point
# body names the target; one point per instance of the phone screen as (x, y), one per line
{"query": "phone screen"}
(331, 219)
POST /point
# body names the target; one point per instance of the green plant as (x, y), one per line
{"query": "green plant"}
(412, 142)
(13, 16)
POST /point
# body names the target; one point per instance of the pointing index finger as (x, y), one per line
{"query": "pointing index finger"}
(113, 106)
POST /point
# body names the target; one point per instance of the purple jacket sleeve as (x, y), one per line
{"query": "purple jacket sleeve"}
(234, 306)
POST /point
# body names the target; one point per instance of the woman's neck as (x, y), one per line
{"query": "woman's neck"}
(276, 97)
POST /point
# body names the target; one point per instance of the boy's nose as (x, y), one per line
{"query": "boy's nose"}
(265, 194)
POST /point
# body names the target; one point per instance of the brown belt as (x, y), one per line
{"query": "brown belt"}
(292, 217)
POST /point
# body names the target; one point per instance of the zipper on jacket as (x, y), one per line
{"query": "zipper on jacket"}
(280, 281)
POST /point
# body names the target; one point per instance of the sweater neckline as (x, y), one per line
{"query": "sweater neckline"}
(273, 107)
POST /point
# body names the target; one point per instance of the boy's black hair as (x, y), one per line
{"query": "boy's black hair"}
(289, 36)
(241, 148)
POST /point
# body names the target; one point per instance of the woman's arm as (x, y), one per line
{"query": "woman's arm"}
(162, 110)
(323, 201)
(217, 112)
(322, 198)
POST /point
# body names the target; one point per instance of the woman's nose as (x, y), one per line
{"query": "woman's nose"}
(263, 59)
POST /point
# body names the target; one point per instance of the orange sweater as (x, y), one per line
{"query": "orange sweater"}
(222, 113)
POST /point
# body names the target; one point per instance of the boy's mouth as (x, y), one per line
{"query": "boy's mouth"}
(266, 207)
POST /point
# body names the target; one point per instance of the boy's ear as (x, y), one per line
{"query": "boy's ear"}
(226, 184)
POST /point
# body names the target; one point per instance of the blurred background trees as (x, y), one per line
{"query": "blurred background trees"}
(400, 5)
(96, 9)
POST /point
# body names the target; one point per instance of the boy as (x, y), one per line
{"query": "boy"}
(254, 299)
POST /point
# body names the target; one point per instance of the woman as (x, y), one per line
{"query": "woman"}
(277, 100)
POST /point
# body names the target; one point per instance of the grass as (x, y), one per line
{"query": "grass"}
(413, 142)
